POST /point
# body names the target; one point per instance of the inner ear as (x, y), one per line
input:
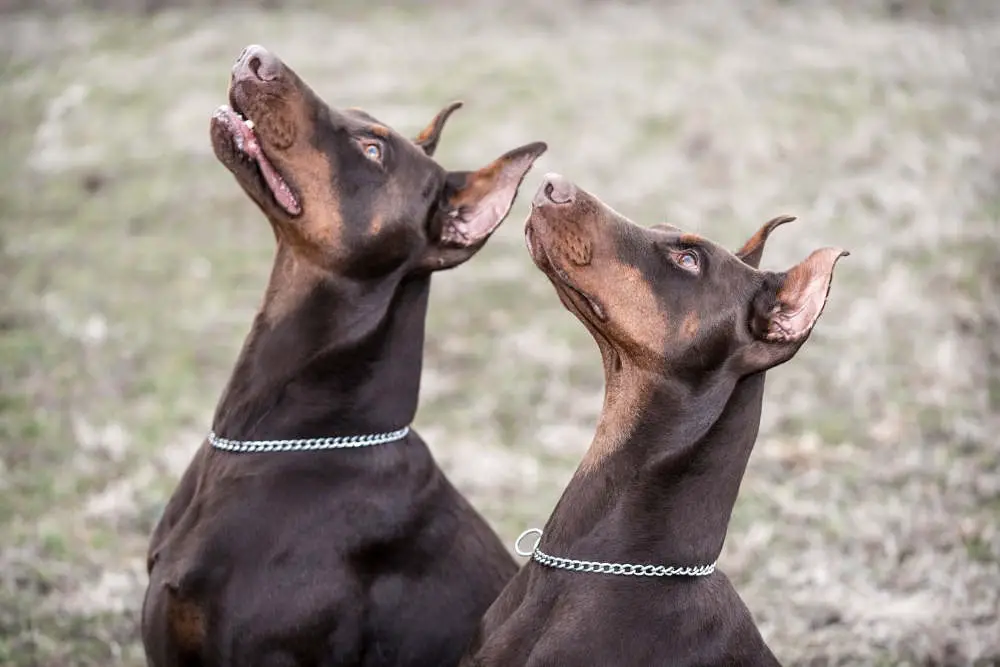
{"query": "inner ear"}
(765, 302)
(482, 201)
(785, 310)
(428, 137)
(474, 204)
(753, 249)
(799, 300)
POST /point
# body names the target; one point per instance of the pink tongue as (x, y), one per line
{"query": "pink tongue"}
(246, 141)
(277, 184)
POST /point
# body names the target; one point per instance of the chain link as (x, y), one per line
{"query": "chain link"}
(627, 569)
(307, 444)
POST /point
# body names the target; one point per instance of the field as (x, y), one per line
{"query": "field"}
(868, 528)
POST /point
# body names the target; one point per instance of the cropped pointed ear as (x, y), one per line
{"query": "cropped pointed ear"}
(474, 204)
(787, 307)
(428, 137)
(753, 249)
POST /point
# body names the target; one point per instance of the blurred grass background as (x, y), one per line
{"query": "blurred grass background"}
(131, 265)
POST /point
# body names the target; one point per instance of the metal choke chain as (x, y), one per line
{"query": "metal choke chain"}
(627, 569)
(308, 444)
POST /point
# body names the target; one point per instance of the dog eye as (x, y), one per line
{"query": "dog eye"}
(688, 260)
(373, 151)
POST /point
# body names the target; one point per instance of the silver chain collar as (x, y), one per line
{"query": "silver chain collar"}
(605, 568)
(307, 444)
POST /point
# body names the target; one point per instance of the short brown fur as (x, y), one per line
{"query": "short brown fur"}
(686, 331)
(187, 622)
(330, 557)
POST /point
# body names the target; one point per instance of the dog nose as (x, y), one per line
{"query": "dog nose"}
(555, 190)
(256, 62)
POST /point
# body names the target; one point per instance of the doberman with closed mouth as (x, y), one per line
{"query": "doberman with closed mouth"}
(313, 528)
(686, 330)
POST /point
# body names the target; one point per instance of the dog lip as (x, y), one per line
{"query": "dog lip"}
(592, 303)
(529, 235)
(246, 145)
(558, 276)
(234, 103)
(226, 143)
(536, 248)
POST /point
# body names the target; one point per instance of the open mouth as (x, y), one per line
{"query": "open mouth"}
(559, 278)
(246, 147)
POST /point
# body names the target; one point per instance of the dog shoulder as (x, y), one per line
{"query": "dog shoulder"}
(176, 506)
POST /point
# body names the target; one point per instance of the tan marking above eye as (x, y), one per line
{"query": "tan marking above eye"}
(380, 131)
(690, 325)
(187, 623)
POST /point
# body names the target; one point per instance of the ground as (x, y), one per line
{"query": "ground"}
(868, 528)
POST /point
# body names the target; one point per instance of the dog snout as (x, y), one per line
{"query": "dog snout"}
(256, 62)
(555, 190)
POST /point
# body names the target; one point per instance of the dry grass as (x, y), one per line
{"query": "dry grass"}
(867, 528)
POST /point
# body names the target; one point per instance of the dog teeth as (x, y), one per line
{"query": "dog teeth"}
(249, 123)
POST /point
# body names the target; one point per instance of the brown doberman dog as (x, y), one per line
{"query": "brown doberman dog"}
(624, 572)
(313, 528)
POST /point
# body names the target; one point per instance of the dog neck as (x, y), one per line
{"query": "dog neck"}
(660, 479)
(327, 358)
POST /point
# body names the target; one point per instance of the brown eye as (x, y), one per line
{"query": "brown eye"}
(372, 151)
(687, 260)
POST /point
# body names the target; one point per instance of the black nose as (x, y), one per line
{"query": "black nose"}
(256, 62)
(554, 190)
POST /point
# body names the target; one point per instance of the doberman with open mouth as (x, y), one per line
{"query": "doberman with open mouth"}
(313, 528)
(624, 571)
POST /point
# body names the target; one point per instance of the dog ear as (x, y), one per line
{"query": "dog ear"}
(474, 204)
(428, 137)
(787, 307)
(753, 249)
